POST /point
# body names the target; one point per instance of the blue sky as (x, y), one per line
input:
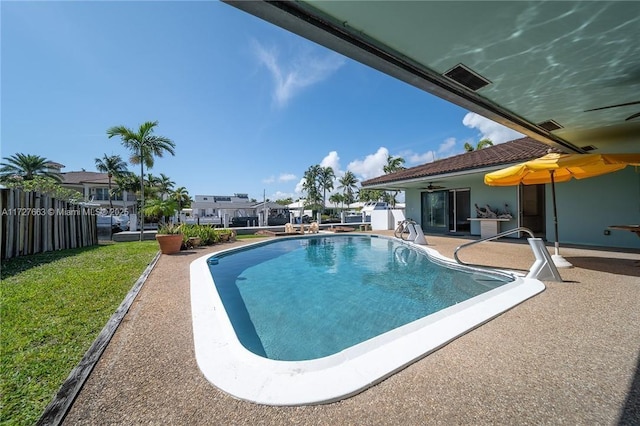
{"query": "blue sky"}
(249, 106)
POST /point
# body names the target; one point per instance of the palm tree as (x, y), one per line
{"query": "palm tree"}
(370, 195)
(326, 176)
(160, 209)
(144, 146)
(126, 181)
(310, 185)
(112, 165)
(393, 165)
(152, 186)
(337, 198)
(483, 143)
(181, 196)
(348, 186)
(165, 185)
(27, 166)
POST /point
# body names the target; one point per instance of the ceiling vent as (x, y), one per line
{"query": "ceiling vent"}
(588, 148)
(469, 79)
(550, 125)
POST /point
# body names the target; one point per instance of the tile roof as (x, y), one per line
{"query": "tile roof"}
(507, 153)
(84, 177)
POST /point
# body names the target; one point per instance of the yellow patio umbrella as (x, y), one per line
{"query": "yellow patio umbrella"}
(554, 168)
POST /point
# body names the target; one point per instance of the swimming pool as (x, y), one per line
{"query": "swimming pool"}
(258, 289)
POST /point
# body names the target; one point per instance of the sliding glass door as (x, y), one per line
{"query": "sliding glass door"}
(459, 210)
(435, 211)
(446, 211)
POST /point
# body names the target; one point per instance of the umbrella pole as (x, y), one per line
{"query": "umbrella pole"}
(555, 213)
(558, 260)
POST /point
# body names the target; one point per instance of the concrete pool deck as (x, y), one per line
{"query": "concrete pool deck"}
(567, 356)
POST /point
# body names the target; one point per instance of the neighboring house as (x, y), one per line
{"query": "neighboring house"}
(442, 197)
(213, 209)
(94, 187)
(54, 167)
(216, 206)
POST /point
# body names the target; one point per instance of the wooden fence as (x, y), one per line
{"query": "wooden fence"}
(34, 223)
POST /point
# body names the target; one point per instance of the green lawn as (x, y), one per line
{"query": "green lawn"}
(52, 307)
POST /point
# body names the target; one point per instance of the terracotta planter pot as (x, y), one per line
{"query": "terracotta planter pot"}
(169, 244)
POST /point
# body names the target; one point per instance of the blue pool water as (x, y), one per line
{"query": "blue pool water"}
(305, 298)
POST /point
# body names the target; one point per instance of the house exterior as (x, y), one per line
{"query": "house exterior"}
(94, 187)
(237, 209)
(214, 207)
(442, 197)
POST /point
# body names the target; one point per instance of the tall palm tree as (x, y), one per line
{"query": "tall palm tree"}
(393, 165)
(348, 186)
(326, 176)
(112, 165)
(144, 146)
(27, 166)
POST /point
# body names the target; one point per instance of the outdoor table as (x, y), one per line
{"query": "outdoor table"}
(489, 227)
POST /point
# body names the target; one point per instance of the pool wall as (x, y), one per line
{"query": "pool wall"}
(226, 363)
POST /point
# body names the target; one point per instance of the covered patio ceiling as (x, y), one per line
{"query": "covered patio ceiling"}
(564, 73)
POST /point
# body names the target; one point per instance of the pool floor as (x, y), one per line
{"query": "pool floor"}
(302, 298)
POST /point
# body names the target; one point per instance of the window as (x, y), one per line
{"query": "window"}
(101, 194)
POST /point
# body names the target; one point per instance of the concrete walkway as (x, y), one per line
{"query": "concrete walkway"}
(566, 356)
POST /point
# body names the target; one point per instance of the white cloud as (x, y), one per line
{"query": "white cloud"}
(270, 179)
(447, 147)
(286, 177)
(279, 195)
(331, 160)
(299, 189)
(300, 72)
(490, 129)
(416, 159)
(372, 165)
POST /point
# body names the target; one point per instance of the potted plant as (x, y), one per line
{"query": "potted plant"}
(169, 238)
(224, 235)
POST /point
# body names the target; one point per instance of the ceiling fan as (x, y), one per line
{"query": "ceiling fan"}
(433, 187)
(631, 117)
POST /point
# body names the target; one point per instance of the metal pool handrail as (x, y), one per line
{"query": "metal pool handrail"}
(495, 237)
(402, 226)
